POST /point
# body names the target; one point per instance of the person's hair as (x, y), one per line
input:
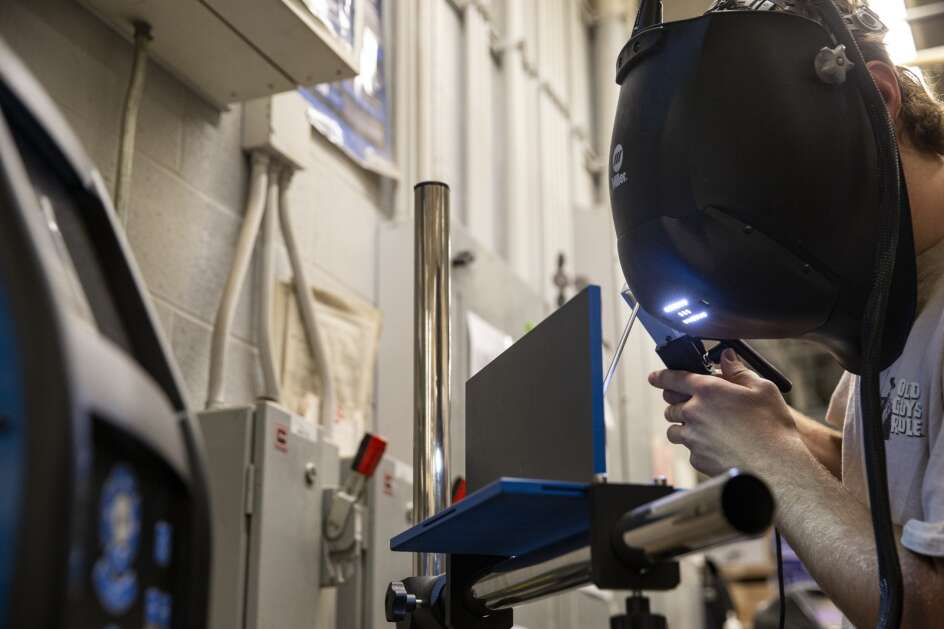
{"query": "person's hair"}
(921, 116)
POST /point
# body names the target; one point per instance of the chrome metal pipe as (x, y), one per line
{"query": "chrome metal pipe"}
(729, 507)
(501, 590)
(431, 362)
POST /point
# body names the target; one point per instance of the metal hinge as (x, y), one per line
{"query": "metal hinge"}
(249, 496)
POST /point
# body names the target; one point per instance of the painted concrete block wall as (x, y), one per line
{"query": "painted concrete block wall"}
(189, 185)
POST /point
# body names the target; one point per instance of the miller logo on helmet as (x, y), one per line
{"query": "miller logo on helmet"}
(617, 157)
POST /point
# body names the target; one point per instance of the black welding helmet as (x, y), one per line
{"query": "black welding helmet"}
(747, 182)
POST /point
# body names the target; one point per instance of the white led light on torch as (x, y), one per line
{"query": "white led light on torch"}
(695, 317)
(675, 306)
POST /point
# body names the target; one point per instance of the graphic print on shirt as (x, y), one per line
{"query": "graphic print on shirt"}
(902, 409)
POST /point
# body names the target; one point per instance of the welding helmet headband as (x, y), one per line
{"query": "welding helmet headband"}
(748, 179)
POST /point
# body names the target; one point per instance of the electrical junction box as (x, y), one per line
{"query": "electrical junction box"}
(389, 510)
(230, 51)
(278, 125)
(267, 471)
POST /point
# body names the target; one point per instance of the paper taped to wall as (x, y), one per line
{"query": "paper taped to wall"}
(350, 330)
(486, 342)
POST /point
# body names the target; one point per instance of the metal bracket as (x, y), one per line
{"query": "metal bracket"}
(612, 570)
(416, 603)
(341, 551)
(340, 504)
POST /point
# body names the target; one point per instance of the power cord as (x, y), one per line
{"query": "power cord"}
(780, 586)
(894, 204)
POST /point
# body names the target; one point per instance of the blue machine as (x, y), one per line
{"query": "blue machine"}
(104, 519)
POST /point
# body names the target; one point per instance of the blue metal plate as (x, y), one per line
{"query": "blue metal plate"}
(509, 517)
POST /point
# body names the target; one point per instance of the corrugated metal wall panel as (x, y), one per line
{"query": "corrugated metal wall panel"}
(479, 131)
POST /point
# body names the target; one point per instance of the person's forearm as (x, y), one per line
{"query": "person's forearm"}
(824, 443)
(831, 532)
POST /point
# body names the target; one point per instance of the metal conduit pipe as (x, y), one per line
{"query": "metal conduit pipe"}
(306, 305)
(729, 507)
(255, 208)
(267, 251)
(129, 120)
(431, 361)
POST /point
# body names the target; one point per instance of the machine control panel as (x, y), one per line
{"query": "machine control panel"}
(131, 556)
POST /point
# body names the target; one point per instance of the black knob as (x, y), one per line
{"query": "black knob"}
(398, 603)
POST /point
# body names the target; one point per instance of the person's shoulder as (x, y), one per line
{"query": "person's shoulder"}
(839, 401)
(929, 323)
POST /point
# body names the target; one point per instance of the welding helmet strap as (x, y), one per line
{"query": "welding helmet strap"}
(873, 323)
(649, 14)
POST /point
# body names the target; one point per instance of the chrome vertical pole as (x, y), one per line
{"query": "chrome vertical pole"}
(431, 362)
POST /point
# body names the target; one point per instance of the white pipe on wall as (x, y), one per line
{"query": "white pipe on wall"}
(425, 64)
(270, 225)
(129, 120)
(518, 202)
(255, 209)
(480, 213)
(612, 32)
(306, 304)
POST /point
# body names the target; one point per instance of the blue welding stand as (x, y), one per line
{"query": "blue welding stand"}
(535, 441)
(515, 523)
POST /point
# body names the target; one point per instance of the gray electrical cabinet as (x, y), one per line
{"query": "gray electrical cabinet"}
(389, 499)
(266, 482)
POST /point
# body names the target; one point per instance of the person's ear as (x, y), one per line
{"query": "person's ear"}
(887, 82)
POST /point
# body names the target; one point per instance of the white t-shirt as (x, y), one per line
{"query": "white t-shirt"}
(912, 407)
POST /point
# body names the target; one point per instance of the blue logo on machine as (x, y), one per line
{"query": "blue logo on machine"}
(157, 609)
(119, 533)
(163, 543)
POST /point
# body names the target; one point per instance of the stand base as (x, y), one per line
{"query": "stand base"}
(638, 616)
